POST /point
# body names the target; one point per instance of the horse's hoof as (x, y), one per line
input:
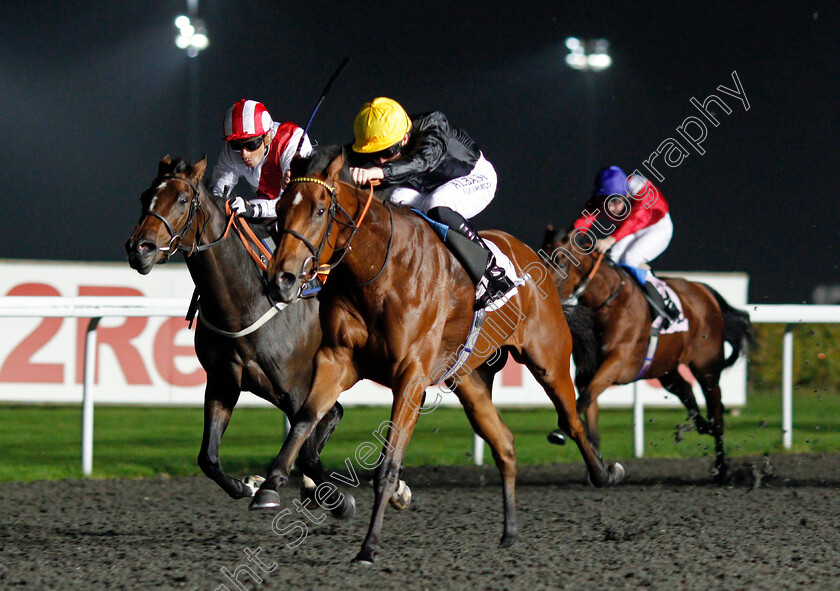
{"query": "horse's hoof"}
(252, 484)
(401, 497)
(509, 541)
(614, 474)
(307, 490)
(265, 499)
(617, 473)
(365, 557)
(347, 510)
(557, 437)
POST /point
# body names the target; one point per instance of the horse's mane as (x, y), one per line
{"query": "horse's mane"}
(319, 161)
(180, 166)
(321, 158)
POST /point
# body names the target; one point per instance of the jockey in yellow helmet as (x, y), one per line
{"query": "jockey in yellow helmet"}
(437, 169)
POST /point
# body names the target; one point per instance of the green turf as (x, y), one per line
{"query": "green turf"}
(44, 442)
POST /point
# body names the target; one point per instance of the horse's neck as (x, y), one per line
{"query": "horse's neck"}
(224, 274)
(368, 244)
(604, 283)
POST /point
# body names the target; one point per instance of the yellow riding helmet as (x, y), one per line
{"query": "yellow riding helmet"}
(380, 124)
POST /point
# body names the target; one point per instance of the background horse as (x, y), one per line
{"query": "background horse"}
(623, 319)
(274, 361)
(397, 309)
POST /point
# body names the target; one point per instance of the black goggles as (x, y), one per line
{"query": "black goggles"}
(250, 144)
(387, 152)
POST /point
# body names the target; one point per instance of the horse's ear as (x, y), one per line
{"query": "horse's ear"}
(163, 165)
(199, 168)
(335, 167)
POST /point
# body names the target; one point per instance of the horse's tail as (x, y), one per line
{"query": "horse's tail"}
(738, 330)
(585, 346)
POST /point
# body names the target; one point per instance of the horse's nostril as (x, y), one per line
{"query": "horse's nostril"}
(145, 246)
(286, 279)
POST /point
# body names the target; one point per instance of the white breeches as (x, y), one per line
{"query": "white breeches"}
(468, 195)
(638, 249)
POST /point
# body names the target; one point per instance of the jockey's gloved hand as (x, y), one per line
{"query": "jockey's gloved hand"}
(243, 207)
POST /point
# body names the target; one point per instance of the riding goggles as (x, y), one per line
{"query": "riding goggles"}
(250, 144)
(387, 153)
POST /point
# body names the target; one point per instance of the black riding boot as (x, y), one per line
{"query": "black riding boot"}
(663, 306)
(480, 265)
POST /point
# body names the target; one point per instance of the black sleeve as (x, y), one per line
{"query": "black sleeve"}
(426, 153)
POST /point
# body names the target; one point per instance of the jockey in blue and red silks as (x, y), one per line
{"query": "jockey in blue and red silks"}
(633, 215)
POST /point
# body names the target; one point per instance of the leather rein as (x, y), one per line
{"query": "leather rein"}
(581, 288)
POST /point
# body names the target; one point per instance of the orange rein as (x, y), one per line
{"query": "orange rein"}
(595, 268)
(243, 229)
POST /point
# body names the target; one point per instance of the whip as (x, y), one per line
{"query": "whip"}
(335, 75)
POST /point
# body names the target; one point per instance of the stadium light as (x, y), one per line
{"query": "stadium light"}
(591, 54)
(192, 36)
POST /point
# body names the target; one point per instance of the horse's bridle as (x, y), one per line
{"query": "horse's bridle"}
(581, 288)
(334, 207)
(176, 237)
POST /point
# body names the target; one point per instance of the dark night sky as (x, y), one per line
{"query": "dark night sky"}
(94, 94)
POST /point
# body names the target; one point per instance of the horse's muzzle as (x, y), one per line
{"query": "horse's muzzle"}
(141, 255)
(287, 286)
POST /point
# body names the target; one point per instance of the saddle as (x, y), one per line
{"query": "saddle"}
(662, 301)
(488, 268)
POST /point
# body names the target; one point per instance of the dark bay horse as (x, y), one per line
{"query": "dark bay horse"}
(274, 359)
(624, 320)
(397, 309)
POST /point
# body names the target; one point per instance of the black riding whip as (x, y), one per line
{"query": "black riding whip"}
(337, 73)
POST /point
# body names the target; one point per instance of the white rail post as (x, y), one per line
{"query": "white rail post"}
(787, 387)
(87, 397)
(638, 422)
(478, 450)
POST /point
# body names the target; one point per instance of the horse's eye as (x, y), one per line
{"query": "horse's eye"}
(183, 200)
(320, 211)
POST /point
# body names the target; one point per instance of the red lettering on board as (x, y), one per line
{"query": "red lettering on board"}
(18, 367)
(117, 337)
(166, 350)
(512, 373)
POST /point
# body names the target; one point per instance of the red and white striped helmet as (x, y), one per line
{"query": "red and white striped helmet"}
(246, 119)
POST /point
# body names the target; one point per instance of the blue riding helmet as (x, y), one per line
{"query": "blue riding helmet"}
(610, 181)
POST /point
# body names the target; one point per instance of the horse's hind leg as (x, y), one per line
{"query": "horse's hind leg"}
(474, 393)
(676, 385)
(709, 380)
(309, 462)
(551, 369)
(218, 407)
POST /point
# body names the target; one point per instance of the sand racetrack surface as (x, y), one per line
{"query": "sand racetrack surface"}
(775, 525)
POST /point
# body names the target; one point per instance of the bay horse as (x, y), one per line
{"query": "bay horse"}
(397, 309)
(237, 340)
(624, 320)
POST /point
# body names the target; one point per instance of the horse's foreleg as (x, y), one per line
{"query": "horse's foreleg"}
(334, 373)
(217, 413)
(592, 432)
(309, 461)
(474, 393)
(404, 412)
